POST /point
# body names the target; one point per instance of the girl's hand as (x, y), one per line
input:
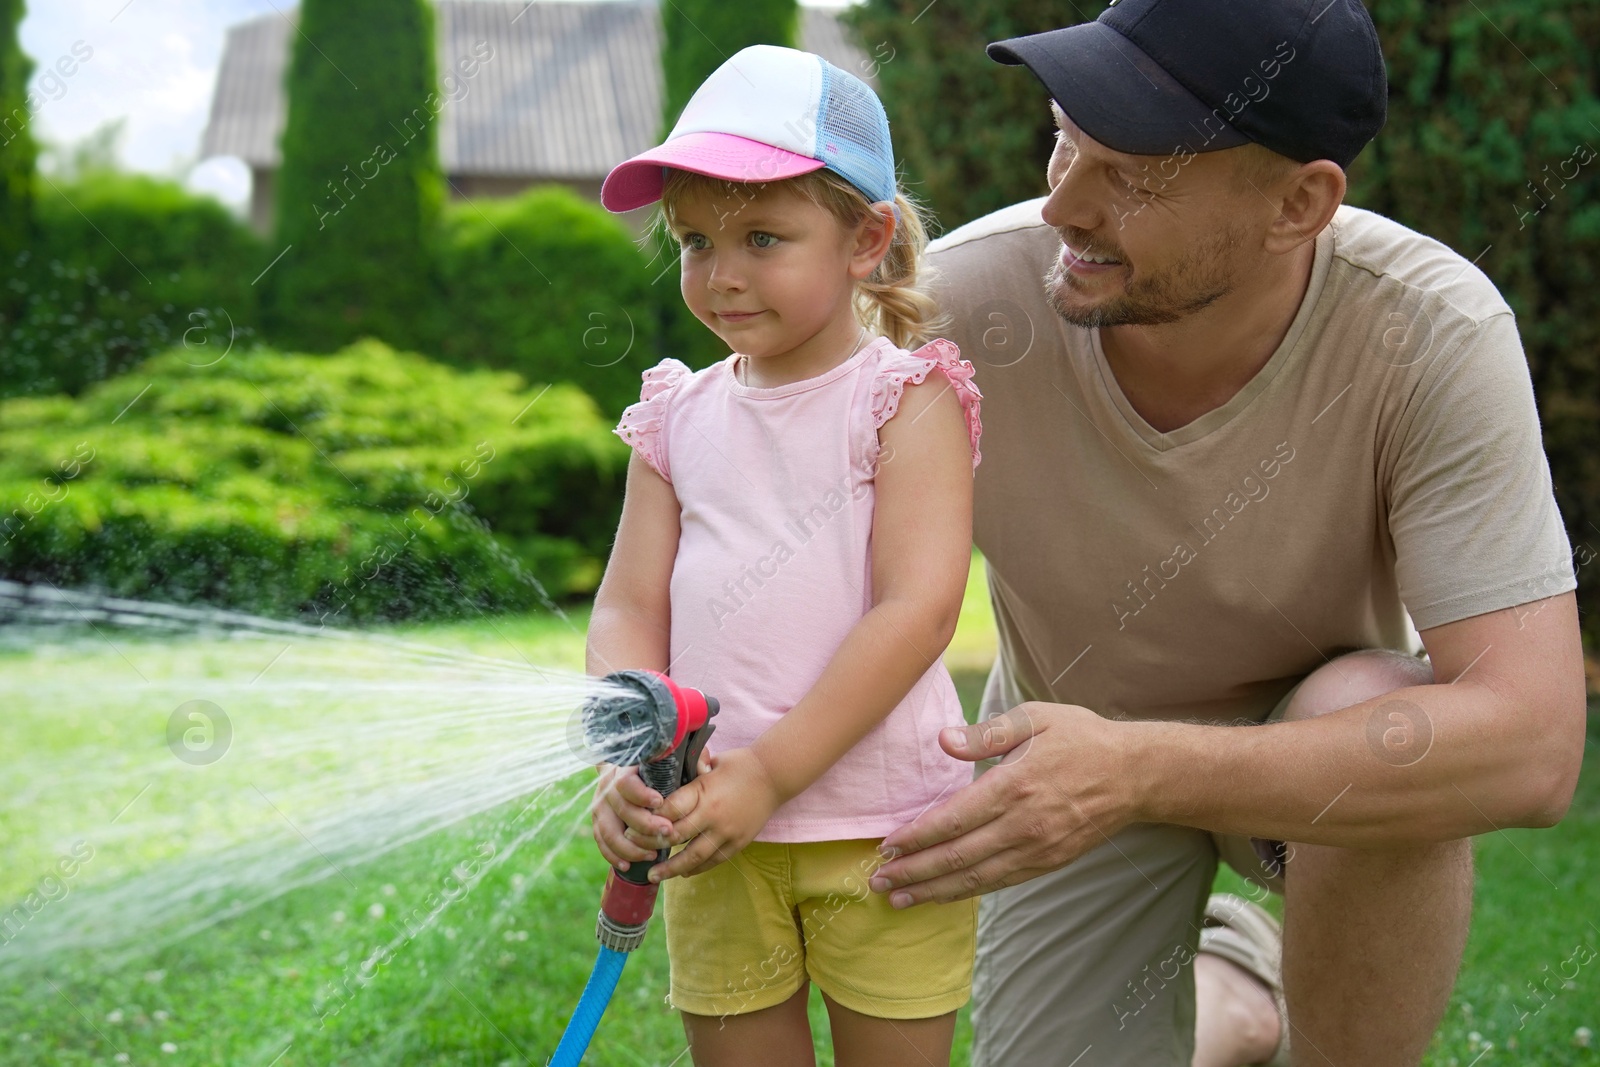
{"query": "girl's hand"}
(622, 802)
(623, 815)
(718, 813)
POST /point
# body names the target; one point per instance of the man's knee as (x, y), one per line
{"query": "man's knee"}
(1353, 678)
(1340, 683)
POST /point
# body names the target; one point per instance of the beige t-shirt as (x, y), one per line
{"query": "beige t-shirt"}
(1386, 459)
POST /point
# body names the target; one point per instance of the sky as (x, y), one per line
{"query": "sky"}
(152, 63)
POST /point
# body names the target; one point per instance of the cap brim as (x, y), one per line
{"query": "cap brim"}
(1113, 91)
(717, 155)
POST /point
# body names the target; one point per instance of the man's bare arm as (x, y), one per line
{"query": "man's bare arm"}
(1496, 742)
(1506, 725)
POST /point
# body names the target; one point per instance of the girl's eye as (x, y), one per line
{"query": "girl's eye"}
(695, 242)
(763, 240)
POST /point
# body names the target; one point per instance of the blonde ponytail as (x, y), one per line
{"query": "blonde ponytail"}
(894, 298)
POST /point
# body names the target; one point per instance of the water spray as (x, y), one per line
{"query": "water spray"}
(661, 728)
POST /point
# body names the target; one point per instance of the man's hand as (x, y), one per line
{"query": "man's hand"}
(1065, 785)
(718, 813)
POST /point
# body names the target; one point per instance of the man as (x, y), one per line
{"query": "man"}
(1238, 433)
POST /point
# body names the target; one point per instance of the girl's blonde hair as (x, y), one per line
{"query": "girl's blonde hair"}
(893, 300)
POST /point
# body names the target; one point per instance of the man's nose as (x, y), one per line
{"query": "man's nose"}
(1071, 203)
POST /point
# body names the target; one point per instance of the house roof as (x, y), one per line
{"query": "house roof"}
(573, 88)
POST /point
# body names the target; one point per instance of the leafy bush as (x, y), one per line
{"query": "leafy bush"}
(554, 287)
(123, 266)
(358, 485)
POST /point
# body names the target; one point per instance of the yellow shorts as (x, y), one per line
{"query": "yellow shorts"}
(747, 934)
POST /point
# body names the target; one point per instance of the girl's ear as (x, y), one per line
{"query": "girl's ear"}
(874, 236)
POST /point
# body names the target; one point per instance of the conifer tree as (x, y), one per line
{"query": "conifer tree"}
(18, 152)
(698, 35)
(360, 189)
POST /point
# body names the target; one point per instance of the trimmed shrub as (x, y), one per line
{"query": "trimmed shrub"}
(698, 35)
(17, 150)
(553, 287)
(124, 265)
(546, 284)
(359, 485)
(360, 189)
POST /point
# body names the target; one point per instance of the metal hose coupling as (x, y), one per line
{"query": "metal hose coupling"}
(662, 728)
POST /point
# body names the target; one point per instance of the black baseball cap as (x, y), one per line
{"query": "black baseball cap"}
(1304, 78)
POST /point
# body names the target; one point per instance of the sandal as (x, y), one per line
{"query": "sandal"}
(1245, 934)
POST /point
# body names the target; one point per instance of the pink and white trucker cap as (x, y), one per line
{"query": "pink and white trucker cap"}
(766, 114)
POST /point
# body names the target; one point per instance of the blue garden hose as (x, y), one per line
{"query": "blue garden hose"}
(663, 728)
(596, 995)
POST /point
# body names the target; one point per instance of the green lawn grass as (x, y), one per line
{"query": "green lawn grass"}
(493, 979)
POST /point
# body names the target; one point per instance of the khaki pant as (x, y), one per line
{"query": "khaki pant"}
(1090, 966)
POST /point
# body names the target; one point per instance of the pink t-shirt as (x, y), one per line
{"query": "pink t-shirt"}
(774, 565)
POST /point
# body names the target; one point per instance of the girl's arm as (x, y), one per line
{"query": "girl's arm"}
(630, 628)
(921, 552)
(632, 617)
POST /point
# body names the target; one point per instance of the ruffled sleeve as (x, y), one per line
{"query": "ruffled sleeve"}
(910, 368)
(641, 424)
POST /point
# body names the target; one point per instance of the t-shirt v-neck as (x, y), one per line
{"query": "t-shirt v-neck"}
(1287, 351)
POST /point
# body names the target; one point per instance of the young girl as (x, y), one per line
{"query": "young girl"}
(795, 542)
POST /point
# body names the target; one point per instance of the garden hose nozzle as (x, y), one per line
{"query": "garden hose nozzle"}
(662, 728)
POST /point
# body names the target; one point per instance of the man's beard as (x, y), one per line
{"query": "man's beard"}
(1197, 280)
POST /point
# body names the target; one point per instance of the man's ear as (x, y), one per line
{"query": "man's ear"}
(874, 236)
(1310, 195)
